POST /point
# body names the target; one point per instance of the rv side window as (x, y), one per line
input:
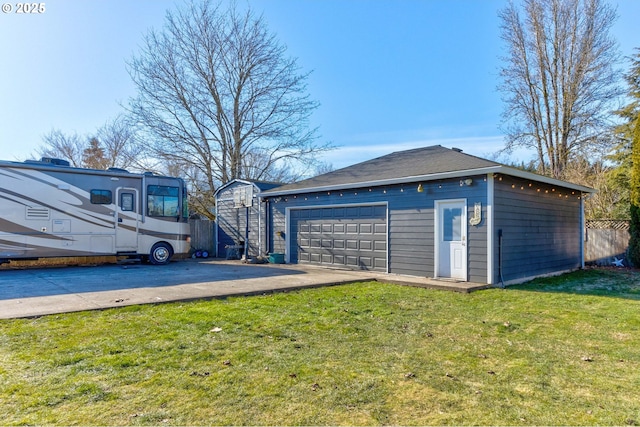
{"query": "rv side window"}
(126, 202)
(162, 200)
(101, 197)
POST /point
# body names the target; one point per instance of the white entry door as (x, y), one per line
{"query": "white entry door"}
(126, 219)
(451, 239)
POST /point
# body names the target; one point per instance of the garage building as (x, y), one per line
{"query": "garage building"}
(430, 212)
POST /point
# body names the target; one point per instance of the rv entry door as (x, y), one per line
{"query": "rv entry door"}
(126, 219)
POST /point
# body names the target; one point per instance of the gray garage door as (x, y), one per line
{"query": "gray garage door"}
(353, 237)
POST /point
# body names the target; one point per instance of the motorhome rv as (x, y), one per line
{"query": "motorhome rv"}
(49, 209)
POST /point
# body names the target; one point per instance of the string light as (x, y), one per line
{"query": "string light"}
(423, 188)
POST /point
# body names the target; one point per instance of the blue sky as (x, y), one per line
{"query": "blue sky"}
(389, 75)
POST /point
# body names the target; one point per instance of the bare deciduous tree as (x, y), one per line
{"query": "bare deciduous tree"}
(216, 90)
(120, 146)
(559, 78)
(62, 146)
(113, 145)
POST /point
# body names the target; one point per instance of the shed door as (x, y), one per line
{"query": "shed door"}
(353, 237)
(451, 239)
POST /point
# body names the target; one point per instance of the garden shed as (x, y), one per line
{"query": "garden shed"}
(241, 218)
(431, 212)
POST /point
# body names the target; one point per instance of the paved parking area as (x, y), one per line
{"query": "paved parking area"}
(41, 291)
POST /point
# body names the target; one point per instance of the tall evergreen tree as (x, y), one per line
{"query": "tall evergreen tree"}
(629, 135)
(634, 242)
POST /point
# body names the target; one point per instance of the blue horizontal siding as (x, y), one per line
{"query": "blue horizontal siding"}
(541, 228)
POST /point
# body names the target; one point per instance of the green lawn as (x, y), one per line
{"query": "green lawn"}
(557, 351)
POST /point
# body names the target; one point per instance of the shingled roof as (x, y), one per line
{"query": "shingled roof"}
(428, 163)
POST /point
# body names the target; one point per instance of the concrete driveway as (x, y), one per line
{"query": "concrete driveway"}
(41, 291)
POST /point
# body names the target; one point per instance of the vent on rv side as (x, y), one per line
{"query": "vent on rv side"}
(37, 212)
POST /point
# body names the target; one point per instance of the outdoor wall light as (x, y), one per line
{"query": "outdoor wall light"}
(420, 188)
(466, 182)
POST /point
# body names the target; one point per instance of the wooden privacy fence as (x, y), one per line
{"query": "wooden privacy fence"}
(605, 241)
(203, 236)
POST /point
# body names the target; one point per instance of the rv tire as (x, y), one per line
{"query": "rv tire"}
(160, 254)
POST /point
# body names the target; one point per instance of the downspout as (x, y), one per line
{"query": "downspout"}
(259, 225)
(215, 229)
(581, 234)
(246, 234)
(500, 258)
(267, 227)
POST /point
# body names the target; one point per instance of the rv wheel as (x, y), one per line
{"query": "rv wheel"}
(160, 254)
